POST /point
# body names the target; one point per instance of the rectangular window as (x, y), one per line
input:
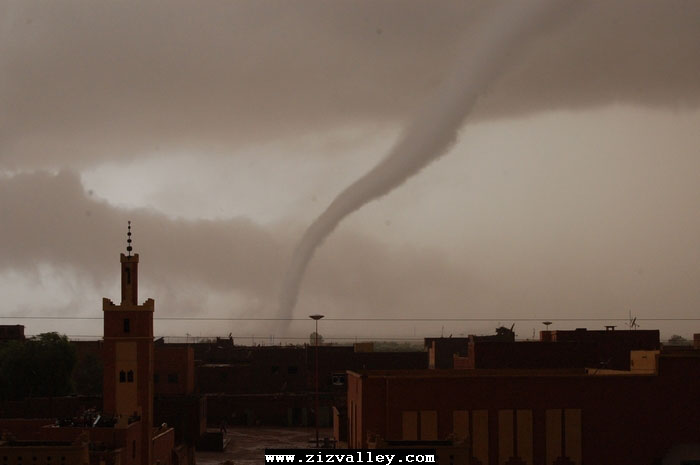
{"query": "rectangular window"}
(130, 376)
(572, 434)
(563, 433)
(460, 424)
(156, 378)
(292, 370)
(409, 425)
(506, 446)
(553, 430)
(127, 325)
(428, 425)
(172, 378)
(122, 377)
(524, 437)
(515, 435)
(480, 435)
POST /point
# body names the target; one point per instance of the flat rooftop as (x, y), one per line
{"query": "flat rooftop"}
(485, 373)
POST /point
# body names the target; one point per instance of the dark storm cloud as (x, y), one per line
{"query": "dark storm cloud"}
(55, 222)
(82, 82)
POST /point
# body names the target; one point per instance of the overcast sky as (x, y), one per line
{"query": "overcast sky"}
(222, 131)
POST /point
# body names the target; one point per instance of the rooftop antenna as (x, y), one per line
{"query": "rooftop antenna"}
(633, 322)
(128, 240)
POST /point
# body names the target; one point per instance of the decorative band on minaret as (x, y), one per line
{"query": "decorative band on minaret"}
(128, 240)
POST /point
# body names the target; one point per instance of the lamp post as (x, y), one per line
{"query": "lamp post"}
(316, 318)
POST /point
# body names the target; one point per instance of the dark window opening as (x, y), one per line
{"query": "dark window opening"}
(172, 378)
(133, 449)
(275, 370)
(122, 377)
(156, 378)
(127, 325)
(292, 370)
(128, 275)
(130, 376)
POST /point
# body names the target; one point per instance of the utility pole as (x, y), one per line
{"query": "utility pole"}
(316, 318)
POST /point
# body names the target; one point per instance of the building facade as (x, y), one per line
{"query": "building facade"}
(509, 417)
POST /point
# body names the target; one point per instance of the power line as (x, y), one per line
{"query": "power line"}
(350, 319)
(262, 337)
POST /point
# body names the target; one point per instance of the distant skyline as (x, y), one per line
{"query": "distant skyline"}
(222, 132)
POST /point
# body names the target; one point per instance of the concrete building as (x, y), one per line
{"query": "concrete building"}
(607, 348)
(580, 348)
(550, 417)
(442, 350)
(16, 452)
(274, 385)
(11, 333)
(174, 369)
(492, 354)
(108, 442)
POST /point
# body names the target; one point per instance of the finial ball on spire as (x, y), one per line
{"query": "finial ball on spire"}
(128, 240)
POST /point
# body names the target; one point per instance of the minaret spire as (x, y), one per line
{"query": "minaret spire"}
(130, 264)
(128, 240)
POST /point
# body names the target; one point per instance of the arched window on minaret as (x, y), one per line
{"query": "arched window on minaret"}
(130, 376)
(122, 377)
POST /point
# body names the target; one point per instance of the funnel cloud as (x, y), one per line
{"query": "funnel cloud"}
(485, 51)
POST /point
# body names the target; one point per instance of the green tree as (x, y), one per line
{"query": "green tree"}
(38, 367)
(677, 340)
(87, 376)
(312, 339)
(393, 346)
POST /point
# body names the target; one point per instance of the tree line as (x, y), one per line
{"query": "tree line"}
(46, 365)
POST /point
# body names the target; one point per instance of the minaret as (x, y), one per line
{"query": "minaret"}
(128, 357)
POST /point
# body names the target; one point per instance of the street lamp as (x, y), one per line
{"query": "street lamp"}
(316, 318)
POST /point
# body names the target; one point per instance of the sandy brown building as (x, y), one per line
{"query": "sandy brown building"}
(552, 417)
